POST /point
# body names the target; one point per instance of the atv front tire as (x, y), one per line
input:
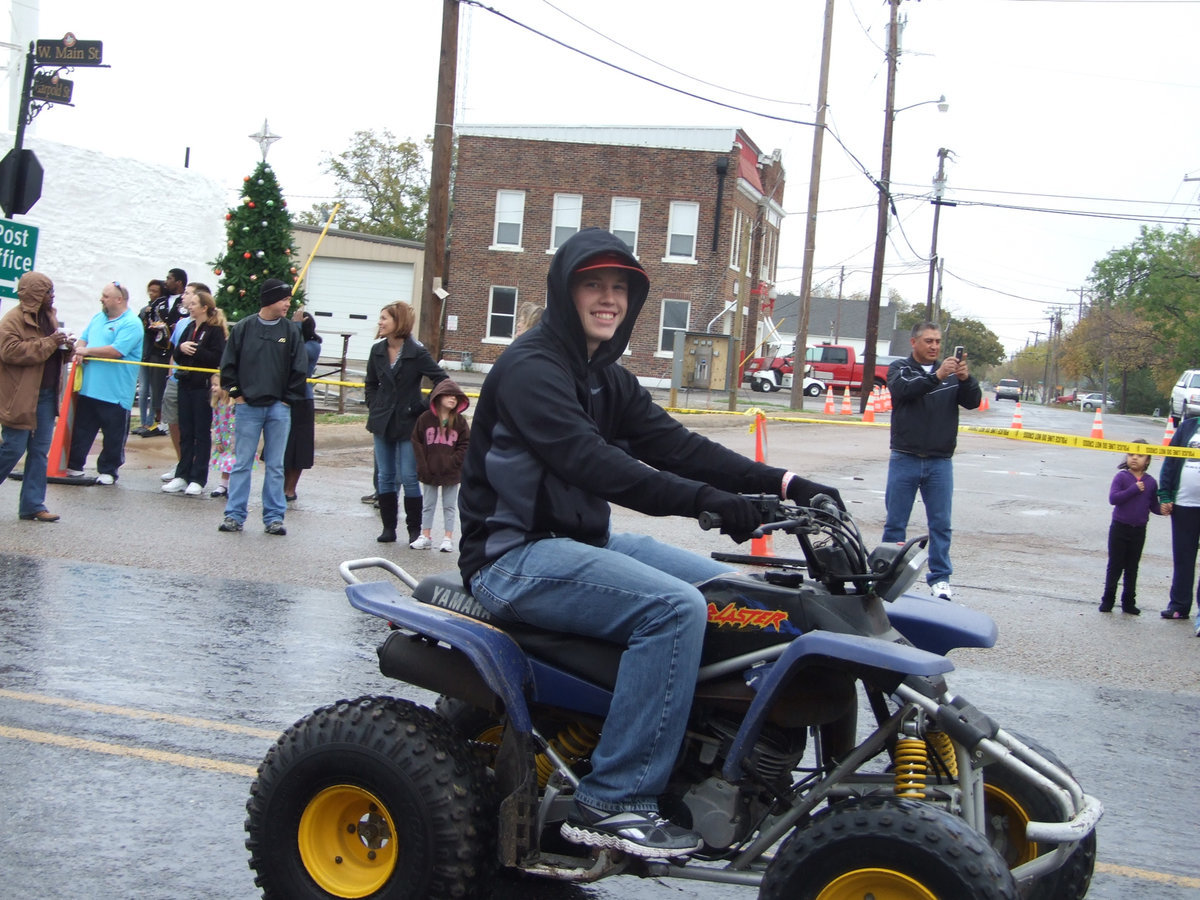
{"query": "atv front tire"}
(887, 847)
(374, 797)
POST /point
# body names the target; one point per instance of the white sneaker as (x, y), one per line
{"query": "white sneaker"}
(193, 490)
(168, 476)
(941, 590)
(447, 546)
(74, 473)
(105, 478)
(174, 486)
(421, 543)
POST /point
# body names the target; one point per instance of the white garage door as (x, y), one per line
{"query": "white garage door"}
(345, 296)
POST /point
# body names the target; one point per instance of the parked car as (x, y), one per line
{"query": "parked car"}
(1088, 402)
(1185, 396)
(1008, 389)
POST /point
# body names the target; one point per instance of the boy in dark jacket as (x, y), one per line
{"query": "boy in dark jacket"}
(439, 440)
(560, 431)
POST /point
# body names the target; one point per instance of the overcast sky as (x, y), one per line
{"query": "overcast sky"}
(1079, 106)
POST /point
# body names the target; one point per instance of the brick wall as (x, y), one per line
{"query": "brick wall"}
(598, 172)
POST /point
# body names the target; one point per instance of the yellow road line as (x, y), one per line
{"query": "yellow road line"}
(159, 756)
(131, 713)
(1148, 875)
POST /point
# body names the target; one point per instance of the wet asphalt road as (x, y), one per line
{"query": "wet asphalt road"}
(137, 698)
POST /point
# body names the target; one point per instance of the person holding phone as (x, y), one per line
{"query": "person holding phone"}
(926, 396)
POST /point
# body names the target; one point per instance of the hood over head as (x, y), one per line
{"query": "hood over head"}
(444, 387)
(592, 248)
(34, 290)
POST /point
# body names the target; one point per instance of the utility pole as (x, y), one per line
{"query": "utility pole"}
(837, 331)
(939, 188)
(434, 269)
(799, 361)
(885, 199)
(742, 297)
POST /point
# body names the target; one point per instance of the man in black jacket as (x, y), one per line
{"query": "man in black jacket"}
(926, 396)
(560, 431)
(265, 368)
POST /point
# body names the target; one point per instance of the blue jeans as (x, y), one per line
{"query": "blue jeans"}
(271, 423)
(635, 592)
(35, 445)
(397, 465)
(934, 477)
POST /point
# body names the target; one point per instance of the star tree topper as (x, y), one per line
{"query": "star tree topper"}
(264, 139)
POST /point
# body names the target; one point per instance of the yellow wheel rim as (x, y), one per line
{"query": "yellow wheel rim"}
(347, 841)
(879, 884)
(1006, 826)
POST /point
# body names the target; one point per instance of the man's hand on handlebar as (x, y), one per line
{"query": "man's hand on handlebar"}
(738, 516)
(801, 492)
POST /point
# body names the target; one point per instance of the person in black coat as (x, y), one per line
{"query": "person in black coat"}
(395, 367)
(200, 347)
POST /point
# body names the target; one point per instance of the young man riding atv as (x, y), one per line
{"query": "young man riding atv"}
(560, 431)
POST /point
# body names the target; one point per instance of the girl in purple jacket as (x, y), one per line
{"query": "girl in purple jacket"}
(1134, 495)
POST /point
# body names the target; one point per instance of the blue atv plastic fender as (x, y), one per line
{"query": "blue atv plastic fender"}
(938, 626)
(816, 648)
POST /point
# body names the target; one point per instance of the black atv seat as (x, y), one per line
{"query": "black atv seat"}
(588, 657)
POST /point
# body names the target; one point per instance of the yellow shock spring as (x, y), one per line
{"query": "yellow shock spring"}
(912, 762)
(573, 743)
(943, 748)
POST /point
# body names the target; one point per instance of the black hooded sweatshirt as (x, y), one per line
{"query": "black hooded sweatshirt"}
(556, 437)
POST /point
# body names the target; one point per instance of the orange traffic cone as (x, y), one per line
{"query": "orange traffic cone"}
(887, 399)
(1098, 425)
(829, 410)
(846, 410)
(60, 443)
(1169, 432)
(869, 412)
(985, 406)
(760, 546)
(1016, 422)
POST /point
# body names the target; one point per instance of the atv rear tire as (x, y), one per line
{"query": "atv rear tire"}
(374, 797)
(887, 847)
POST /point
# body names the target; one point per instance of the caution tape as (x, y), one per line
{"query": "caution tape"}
(179, 368)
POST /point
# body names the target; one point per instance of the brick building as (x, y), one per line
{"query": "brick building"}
(693, 203)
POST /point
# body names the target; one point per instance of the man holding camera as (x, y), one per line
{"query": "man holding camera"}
(926, 396)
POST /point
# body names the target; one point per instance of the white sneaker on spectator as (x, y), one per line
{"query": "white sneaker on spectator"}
(447, 546)
(174, 486)
(194, 490)
(941, 590)
(105, 478)
(74, 473)
(167, 476)
(421, 543)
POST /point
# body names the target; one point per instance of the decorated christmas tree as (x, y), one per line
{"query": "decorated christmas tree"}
(258, 246)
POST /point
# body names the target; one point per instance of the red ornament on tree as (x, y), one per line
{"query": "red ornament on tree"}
(250, 203)
(245, 178)
(246, 255)
(228, 216)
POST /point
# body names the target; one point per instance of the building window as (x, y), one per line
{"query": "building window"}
(626, 213)
(502, 312)
(766, 267)
(568, 211)
(674, 319)
(735, 250)
(681, 236)
(510, 215)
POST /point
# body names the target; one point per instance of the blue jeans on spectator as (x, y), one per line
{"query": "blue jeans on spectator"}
(94, 416)
(151, 382)
(635, 592)
(35, 445)
(397, 464)
(934, 477)
(250, 423)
